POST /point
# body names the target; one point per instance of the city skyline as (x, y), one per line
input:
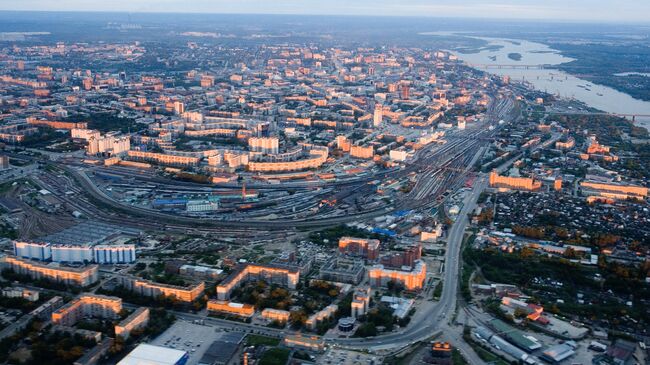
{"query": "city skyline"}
(599, 10)
(361, 182)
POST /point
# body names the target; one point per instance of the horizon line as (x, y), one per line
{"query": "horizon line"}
(541, 20)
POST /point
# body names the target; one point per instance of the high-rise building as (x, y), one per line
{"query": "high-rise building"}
(179, 107)
(378, 115)
(270, 145)
(4, 162)
(360, 302)
(404, 92)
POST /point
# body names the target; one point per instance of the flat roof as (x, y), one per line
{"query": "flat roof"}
(152, 355)
(90, 232)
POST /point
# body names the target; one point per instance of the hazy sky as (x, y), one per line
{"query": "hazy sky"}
(586, 10)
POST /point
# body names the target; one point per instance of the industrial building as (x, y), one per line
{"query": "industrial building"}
(223, 350)
(155, 355)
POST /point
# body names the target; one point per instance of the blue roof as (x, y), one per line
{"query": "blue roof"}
(402, 213)
(169, 201)
(385, 232)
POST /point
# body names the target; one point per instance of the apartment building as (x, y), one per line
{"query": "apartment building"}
(78, 276)
(87, 305)
(247, 272)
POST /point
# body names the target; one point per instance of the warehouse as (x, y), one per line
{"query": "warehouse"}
(154, 355)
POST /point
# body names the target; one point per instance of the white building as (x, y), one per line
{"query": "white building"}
(71, 253)
(270, 145)
(101, 254)
(33, 250)
(154, 355)
(378, 115)
(202, 206)
(398, 155)
(109, 145)
(85, 134)
(114, 254)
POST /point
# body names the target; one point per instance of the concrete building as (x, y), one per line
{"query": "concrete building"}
(248, 272)
(270, 145)
(114, 254)
(17, 292)
(108, 145)
(85, 134)
(316, 156)
(398, 155)
(343, 270)
(400, 306)
(33, 250)
(151, 289)
(362, 247)
(163, 158)
(311, 343)
(204, 205)
(57, 124)
(407, 257)
(614, 191)
(84, 253)
(4, 162)
(232, 308)
(200, 272)
(360, 302)
(519, 183)
(87, 305)
(136, 320)
(78, 276)
(343, 143)
(378, 115)
(275, 315)
(410, 278)
(320, 316)
(363, 152)
(155, 355)
(72, 253)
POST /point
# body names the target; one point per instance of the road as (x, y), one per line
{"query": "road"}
(441, 314)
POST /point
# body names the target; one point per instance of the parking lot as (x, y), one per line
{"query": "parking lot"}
(345, 357)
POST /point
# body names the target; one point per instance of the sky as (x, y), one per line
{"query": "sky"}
(581, 10)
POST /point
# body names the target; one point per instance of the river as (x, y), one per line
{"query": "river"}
(550, 80)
